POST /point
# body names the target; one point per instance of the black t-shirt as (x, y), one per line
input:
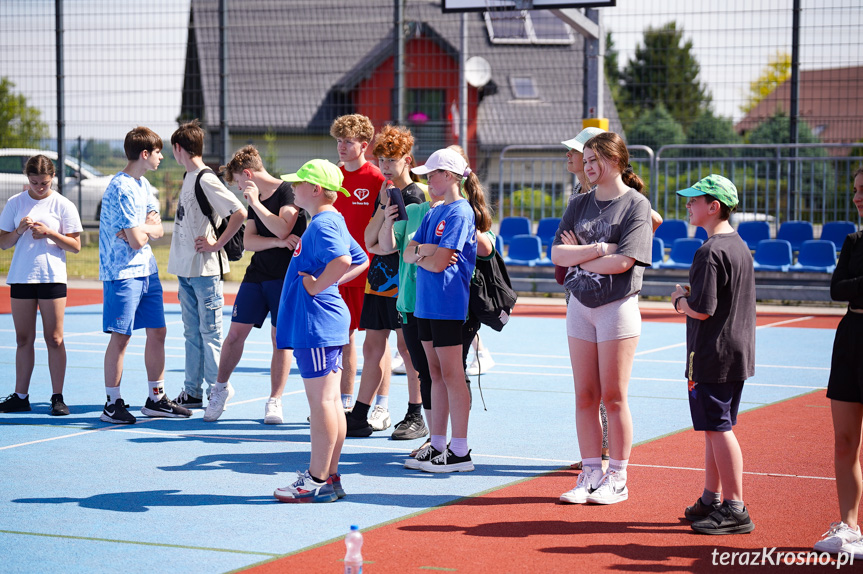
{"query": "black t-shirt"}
(383, 275)
(847, 281)
(271, 264)
(721, 349)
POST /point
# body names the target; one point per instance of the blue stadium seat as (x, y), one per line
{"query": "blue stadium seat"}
(816, 256)
(773, 255)
(658, 252)
(752, 232)
(682, 253)
(795, 232)
(524, 249)
(512, 226)
(672, 229)
(498, 244)
(546, 261)
(837, 231)
(701, 233)
(546, 228)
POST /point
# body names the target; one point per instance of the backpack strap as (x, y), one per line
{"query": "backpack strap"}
(207, 210)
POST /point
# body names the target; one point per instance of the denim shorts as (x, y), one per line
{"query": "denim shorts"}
(314, 363)
(255, 300)
(132, 304)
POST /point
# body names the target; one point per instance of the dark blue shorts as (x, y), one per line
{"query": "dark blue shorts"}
(255, 300)
(714, 405)
(314, 363)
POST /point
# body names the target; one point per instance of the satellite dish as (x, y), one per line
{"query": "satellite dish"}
(477, 71)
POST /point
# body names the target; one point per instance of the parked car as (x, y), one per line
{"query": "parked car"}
(92, 182)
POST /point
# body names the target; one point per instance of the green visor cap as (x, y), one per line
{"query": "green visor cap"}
(715, 185)
(319, 172)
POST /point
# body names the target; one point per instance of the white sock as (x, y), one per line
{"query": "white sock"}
(113, 394)
(23, 396)
(618, 465)
(593, 463)
(458, 446)
(347, 401)
(383, 401)
(438, 442)
(220, 386)
(156, 389)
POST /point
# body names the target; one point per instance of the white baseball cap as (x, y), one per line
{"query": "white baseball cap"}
(577, 143)
(445, 159)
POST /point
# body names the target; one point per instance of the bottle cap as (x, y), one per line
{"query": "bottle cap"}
(354, 527)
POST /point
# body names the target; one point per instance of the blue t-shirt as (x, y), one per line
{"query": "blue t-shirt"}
(307, 322)
(125, 205)
(445, 295)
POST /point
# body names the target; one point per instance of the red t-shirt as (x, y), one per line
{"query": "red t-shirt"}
(364, 185)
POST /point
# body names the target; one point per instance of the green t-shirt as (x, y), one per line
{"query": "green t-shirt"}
(403, 231)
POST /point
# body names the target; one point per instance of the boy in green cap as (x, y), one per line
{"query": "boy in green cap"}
(719, 305)
(314, 321)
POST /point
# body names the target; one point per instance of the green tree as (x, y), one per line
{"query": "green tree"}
(97, 152)
(20, 124)
(664, 71)
(710, 129)
(777, 71)
(656, 128)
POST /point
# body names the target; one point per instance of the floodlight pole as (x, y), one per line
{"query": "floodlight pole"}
(462, 81)
(399, 19)
(794, 136)
(61, 114)
(223, 81)
(589, 26)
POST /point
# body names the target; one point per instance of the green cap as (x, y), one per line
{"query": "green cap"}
(320, 172)
(717, 186)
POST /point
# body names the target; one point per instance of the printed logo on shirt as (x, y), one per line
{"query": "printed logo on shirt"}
(440, 227)
(361, 193)
(299, 247)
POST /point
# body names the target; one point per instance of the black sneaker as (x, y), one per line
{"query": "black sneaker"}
(448, 462)
(117, 413)
(58, 407)
(164, 407)
(725, 520)
(188, 401)
(15, 404)
(412, 427)
(357, 427)
(699, 510)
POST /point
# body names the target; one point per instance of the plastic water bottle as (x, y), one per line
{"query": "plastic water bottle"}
(354, 556)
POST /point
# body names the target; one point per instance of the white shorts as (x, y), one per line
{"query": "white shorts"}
(619, 319)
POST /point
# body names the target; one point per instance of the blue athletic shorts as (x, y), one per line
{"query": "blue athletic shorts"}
(713, 406)
(132, 304)
(314, 363)
(255, 300)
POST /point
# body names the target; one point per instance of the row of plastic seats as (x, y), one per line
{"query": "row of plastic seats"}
(510, 227)
(815, 255)
(753, 232)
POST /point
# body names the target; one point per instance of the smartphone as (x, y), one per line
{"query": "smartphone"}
(397, 199)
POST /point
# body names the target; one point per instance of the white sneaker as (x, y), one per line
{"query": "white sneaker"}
(482, 363)
(273, 412)
(218, 402)
(612, 489)
(854, 548)
(379, 419)
(588, 480)
(837, 537)
(398, 366)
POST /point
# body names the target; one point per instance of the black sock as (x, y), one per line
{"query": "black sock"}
(316, 479)
(361, 410)
(415, 408)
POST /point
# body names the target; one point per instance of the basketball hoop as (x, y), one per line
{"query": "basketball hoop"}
(498, 10)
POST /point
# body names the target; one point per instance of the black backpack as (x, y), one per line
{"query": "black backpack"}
(491, 296)
(234, 247)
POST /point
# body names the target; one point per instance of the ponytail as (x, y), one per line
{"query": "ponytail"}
(632, 180)
(476, 198)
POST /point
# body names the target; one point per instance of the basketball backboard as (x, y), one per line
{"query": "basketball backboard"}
(483, 5)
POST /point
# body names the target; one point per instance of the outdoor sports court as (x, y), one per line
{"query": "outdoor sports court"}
(167, 495)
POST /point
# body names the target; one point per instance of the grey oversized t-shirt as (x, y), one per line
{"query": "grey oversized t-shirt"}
(625, 221)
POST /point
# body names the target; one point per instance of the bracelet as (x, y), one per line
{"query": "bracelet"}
(676, 303)
(19, 234)
(417, 250)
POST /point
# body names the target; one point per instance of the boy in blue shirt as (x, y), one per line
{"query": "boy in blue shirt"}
(314, 321)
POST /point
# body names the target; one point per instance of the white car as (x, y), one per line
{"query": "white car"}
(92, 183)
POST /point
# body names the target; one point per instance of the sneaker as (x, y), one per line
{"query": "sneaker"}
(416, 451)
(481, 363)
(188, 401)
(854, 548)
(305, 489)
(699, 510)
(398, 366)
(448, 462)
(358, 428)
(725, 520)
(273, 412)
(15, 404)
(425, 454)
(58, 407)
(117, 413)
(336, 480)
(612, 489)
(164, 407)
(412, 427)
(380, 419)
(588, 481)
(218, 403)
(837, 537)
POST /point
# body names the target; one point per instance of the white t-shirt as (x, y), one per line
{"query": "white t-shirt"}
(190, 223)
(39, 260)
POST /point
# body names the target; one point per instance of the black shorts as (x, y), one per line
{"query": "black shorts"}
(37, 290)
(846, 368)
(379, 313)
(440, 332)
(713, 406)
